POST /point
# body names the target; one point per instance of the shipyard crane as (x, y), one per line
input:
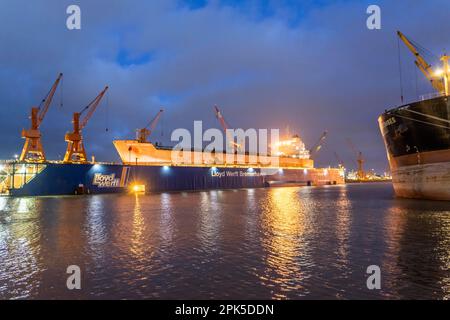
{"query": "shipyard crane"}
(143, 133)
(318, 145)
(439, 78)
(75, 147)
(234, 145)
(339, 160)
(32, 149)
(359, 160)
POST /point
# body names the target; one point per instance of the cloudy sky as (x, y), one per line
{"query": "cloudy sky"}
(310, 65)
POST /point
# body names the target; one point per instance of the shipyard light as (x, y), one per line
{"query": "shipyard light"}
(165, 168)
(138, 188)
(280, 170)
(251, 170)
(438, 72)
(305, 171)
(96, 166)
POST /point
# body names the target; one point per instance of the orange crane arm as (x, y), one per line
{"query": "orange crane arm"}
(219, 117)
(414, 51)
(420, 62)
(48, 100)
(152, 124)
(144, 133)
(224, 125)
(319, 144)
(91, 107)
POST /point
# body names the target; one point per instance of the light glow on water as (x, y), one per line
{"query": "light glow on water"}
(291, 242)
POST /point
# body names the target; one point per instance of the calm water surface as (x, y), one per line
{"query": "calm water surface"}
(282, 243)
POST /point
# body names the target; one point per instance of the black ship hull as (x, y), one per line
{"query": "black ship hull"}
(417, 140)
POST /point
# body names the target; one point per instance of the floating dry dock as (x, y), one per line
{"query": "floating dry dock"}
(36, 179)
(160, 174)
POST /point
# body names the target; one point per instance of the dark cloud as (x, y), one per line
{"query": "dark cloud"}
(268, 64)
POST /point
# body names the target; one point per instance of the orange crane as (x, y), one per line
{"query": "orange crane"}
(234, 145)
(440, 78)
(318, 144)
(359, 159)
(143, 133)
(32, 149)
(75, 147)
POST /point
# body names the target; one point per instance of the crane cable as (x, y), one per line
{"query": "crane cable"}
(417, 83)
(44, 99)
(107, 112)
(424, 50)
(89, 105)
(61, 93)
(400, 69)
(162, 129)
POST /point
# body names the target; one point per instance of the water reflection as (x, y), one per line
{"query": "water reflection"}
(20, 264)
(209, 211)
(256, 243)
(3, 203)
(421, 264)
(96, 227)
(393, 233)
(251, 217)
(342, 229)
(137, 237)
(284, 242)
(167, 223)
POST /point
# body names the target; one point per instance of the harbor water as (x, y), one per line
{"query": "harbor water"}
(273, 243)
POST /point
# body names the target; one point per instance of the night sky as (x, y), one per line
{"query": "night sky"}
(309, 65)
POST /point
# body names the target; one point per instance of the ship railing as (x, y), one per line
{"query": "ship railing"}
(431, 95)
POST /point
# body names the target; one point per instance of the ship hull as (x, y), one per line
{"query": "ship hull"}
(424, 181)
(417, 140)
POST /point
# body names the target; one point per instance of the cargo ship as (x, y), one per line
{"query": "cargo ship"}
(148, 167)
(417, 137)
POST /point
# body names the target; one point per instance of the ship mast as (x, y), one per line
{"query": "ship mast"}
(444, 60)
